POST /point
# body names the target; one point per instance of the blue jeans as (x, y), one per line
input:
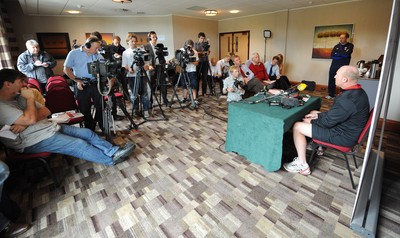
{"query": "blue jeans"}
(77, 142)
(4, 172)
(138, 88)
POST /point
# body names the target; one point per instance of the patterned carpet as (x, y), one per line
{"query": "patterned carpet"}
(179, 182)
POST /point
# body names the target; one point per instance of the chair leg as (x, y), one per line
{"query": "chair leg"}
(355, 161)
(348, 168)
(50, 171)
(312, 156)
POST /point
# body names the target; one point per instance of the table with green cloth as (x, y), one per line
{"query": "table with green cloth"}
(256, 130)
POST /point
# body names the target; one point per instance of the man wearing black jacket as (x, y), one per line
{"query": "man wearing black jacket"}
(340, 55)
(341, 125)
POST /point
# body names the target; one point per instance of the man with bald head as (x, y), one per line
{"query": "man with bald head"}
(341, 125)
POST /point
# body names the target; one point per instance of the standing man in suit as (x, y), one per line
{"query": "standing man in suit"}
(156, 68)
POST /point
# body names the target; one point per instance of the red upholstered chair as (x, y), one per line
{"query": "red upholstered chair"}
(33, 83)
(345, 151)
(13, 157)
(56, 81)
(60, 98)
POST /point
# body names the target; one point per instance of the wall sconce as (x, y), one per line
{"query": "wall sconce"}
(122, 1)
(210, 13)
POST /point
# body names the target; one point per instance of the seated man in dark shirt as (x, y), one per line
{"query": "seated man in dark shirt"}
(341, 125)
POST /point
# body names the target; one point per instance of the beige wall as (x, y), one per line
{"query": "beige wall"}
(186, 28)
(292, 35)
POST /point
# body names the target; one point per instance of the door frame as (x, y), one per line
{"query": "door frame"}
(232, 33)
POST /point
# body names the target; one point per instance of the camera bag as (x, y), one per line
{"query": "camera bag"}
(310, 85)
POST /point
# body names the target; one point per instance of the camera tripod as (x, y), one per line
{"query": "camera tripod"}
(140, 75)
(107, 105)
(184, 74)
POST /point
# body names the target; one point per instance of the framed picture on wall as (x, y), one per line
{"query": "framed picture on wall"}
(56, 44)
(107, 37)
(141, 36)
(326, 37)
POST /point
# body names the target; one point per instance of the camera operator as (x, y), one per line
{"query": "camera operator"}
(189, 56)
(202, 47)
(155, 68)
(75, 66)
(128, 61)
(253, 85)
(233, 85)
(224, 65)
(116, 48)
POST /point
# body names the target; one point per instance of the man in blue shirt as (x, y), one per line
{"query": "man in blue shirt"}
(76, 67)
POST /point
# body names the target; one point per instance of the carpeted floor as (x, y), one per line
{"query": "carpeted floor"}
(179, 182)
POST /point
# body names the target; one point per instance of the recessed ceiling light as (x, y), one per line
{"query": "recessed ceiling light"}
(234, 11)
(73, 12)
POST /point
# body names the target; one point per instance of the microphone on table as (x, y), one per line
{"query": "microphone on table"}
(295, 89)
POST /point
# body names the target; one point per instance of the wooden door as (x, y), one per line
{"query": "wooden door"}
(235, 42)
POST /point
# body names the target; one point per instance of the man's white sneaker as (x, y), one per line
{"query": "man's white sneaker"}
(329, 97)
(296, 167)
(146, 114)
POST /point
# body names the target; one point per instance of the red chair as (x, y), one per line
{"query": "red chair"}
(33, 83)
(56, 81)
(13, 158)
(60, 99)
(345, 151)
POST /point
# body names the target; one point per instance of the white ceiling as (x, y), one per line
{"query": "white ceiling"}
(108, 8)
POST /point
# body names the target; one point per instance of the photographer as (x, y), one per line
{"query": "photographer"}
(130, 64)
(203, 49)
(215, 74)
(188, 53)
(156, 68)
(233, 85)
(76, 67)
(253, 85)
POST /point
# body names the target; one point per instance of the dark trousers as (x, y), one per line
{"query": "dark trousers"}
(85, 98)
(158, 82)
(331, 83)
(281, 83)
(202, 74)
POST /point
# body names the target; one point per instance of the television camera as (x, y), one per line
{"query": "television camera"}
(140, 55)
(206, 47)
(185, 56)
(160, 51)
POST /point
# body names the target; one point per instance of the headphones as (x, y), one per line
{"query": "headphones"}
(91, 40)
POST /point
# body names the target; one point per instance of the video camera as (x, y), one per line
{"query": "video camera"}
(161, 52)
(240, 84)
(140, 55)
(206, 47)
(185, 56)
(104, 68)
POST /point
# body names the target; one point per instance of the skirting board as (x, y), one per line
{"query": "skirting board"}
(366, 211)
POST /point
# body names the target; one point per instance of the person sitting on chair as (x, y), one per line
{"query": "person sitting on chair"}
(259, 71)
(233, 85)
(272, 68)
(36, 134)
(341, 125)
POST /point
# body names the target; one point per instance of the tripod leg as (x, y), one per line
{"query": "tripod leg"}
(123, 108)
(175, 93)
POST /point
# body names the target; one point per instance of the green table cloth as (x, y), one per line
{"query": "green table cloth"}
(256, 130)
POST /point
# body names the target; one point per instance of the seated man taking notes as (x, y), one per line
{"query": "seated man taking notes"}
(35, 133)
(341, 125)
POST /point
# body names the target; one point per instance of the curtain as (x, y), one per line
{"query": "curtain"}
(8, 46)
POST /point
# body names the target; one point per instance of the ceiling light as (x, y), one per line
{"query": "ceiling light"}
(210, 13)
(234, 11)
(122, 1)
(73, 12)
